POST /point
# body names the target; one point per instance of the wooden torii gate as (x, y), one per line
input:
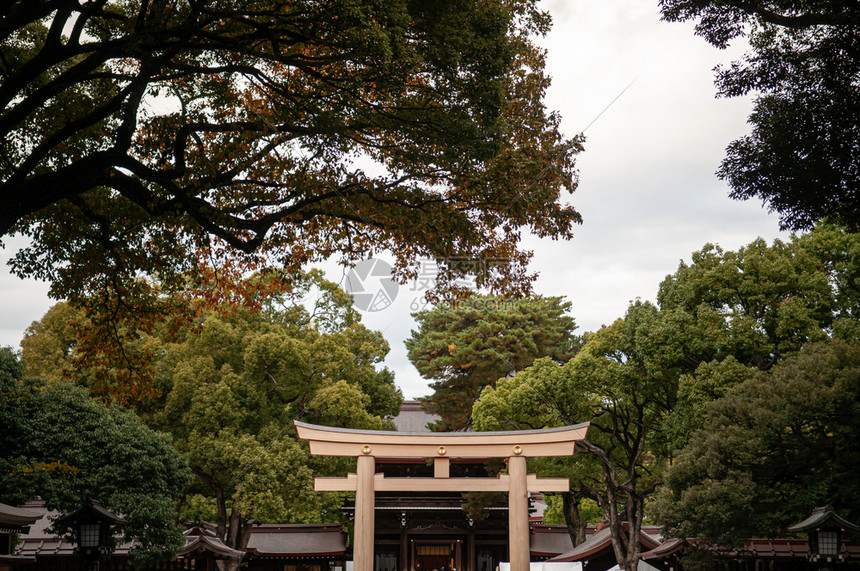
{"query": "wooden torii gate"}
(367, 445)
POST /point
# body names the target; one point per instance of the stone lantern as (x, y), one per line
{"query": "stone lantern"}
(94, 527)
(825, 531)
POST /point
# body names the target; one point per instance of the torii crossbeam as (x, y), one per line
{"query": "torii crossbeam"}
(368, 445)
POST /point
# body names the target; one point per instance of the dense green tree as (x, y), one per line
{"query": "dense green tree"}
(149, 137)
(772, 449)
(235, 384)
(760, 303)
(57, 443)
(838, 253)
(752, 308)
(49, 344)
(801, 158)
(624, 381)
(646, 381)
(763, 309)
(466, 346)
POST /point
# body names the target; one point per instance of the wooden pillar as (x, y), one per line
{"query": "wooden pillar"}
(365, 503)
(472, 556)
(518, 515)
(403, 557)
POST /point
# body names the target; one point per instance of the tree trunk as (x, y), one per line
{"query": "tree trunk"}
(237, 536)
(626, 538)
(575, 524)
(230, 564)
(625, 524)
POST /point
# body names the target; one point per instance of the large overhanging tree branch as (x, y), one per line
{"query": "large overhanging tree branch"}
(801, 158)
(135, 134)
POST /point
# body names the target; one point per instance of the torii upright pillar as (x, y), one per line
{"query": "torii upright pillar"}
(365, 515)
(518, 514)
(368, 445)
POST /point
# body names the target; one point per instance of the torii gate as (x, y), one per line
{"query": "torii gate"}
(367, 445)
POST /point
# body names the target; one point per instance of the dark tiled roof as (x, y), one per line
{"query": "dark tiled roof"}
(94, 509)
(413, 418)
(667, 548)
(599, 542)
(269, 540)
(201, 539)
(550, 540)
(824, 517)
(297, 540)
(11, 516)
(757, 548)
(779, 548)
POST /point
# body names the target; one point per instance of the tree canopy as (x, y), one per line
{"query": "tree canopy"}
(651, 379)
(467, 346)
(234, 384)
(801, 158)
(760, 302)
(151, 137)
(781, 330)
(229, 379)
(772, 449)
(624, 381)
(57, 443)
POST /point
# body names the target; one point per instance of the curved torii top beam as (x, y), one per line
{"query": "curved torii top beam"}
(330, 441)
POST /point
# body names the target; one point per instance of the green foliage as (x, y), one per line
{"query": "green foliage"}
(748, 310)
(696, 390)
(48, 344)
(801, 157)
(198, 507)
(150, 138)
(589, 511)
(624, 381)
(650, 380)
(469, 345)
(233, 386)
(757, 304)
(838, 253)
(234, 368)
(772, 448)
(58, 444)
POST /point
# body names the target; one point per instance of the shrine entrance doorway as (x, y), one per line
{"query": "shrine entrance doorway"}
(370, 447)
(437, 556)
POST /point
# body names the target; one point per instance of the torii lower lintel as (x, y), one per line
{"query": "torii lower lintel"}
(383, 484)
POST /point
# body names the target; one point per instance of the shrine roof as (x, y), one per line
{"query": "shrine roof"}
(599, 542)
(11, 516)
(297, 540)
(549, 540)
(822, 517)
(199, 538)
(413, 417)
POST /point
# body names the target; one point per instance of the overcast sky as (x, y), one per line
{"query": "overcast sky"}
(648, 194)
